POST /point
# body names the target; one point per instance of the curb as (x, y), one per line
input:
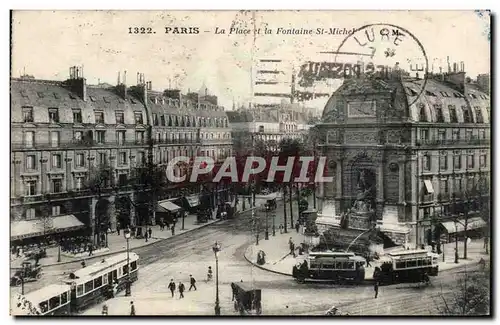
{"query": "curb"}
(261, 267)
(124, 250)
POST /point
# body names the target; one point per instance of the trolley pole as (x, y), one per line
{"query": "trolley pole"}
(266, 234)
(128, 285)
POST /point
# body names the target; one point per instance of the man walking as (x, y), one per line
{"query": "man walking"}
(375, 287)
(173, 229)
(181, 290)
(297, 226)
(132, 309)
(150, 231)
(171, 287)
(193, 283)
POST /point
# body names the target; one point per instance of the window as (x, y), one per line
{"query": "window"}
(138, 118)
(56, 186)
(29, 138)
(92, 98)
(443, 186)
(125, 269)
(122, 179)
(54, 302)
(458, 95)
(455, 134)
(123, 158)
(441, 135)
(120, 118)
(30, 162)
(457, 160)
(54, 115)
(30, 188)
(158, 137)
(155, 119)
(78, 183)
(427, 162)
(56, 210)
(482, 134)
(468, 134)
(120, 137)
(473, 96)
(479, 115)
(162, 120)
(453, 114)
(77, 116)
(64, 298)
(98, 282)
(457, 187)
(30, 214)
(56, 161)
(54, 139)
(27, 114)
(423, 116)
(99, 117)
(470, 159)
(139, 136)
(141, 157)
(482, 160)
(467, 115)
(133, 266)
(79, 290)
(80, 160)
(78, 135)
(443, 161)
(427, 212)
(100, 136)
(444, 94)
(89, 286)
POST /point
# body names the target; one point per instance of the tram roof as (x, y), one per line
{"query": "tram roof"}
(47, 292)
(95, 268)
(332, 254)
(409, 253)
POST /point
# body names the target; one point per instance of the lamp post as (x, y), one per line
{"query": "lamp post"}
(274, 226)
(59, 251)
(216, 249)
(266, 234)
(126, 233)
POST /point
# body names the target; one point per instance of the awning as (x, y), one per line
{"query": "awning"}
(428, 186)
(167, 206)
(328, 221)
(472, 223)
(193, 200)
(46, 226)
(328, 210)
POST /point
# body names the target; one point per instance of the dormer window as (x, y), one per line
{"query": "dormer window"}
(92, 98)
(54, 115)
(24, 93)
(428, 93)
(444, 94)
(41, 94)
(106, 100)
(473, 96)
(27, 114)
(56, 96)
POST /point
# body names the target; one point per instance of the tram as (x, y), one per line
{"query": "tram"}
(51, 300)
(334, 266)
(407, 266)
(91, 284)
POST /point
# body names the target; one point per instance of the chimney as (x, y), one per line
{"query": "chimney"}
(457, 79)
(455, 67)
(76, 83)
(121, 87)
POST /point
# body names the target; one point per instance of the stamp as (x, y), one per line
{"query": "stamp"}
(380, 49)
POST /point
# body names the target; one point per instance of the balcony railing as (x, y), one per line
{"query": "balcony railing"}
(451, 142)
(427, 198)
(75, 144)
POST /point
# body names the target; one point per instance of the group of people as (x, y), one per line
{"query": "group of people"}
(180, 287)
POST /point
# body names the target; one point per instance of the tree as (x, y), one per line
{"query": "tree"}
(99, 179)
(470, 297)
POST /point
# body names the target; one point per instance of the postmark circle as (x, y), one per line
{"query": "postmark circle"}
(386, 45)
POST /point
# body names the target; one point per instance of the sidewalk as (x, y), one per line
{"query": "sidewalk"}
(279, 261)
(118, 244)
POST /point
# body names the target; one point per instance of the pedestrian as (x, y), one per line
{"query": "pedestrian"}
(150, 231)
(375, 287)
(171, 287)
(292, 248)
(90, 249)
(83, 264)
(281, 228)
(297, 226)
(173, 230)
(368, 260)
(132, 309)
(181, 290)
(485, 242)
(146, 236)
(193, 283)
(118, 228)
(105, 310)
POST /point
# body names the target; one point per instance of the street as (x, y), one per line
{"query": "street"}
(191, 254)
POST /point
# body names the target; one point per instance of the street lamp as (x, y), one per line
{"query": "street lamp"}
(59, 250)
(266, 235)
(274, 226)
(216, 249)
(126, 233)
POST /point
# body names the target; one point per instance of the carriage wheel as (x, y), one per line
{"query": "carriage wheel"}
(18, 282)
(39, 276)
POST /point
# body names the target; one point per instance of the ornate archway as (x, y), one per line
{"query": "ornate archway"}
(363, 182)
(122, 207)
(101, 223)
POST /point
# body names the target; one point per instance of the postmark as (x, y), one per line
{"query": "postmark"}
(380, 49)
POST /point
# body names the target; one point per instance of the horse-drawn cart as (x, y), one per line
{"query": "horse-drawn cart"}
(247, 300)
(28, 273)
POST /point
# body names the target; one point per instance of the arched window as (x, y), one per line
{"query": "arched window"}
(169, 120)
(188, 121)
(176, 121)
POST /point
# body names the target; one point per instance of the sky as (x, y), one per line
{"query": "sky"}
(46, 43)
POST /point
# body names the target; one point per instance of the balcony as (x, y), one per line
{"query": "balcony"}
(75, 144)
(427, 198)
(452, 142)
(175, 141)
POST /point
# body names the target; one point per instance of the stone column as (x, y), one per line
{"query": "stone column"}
(380, 190)
(43, 176)
(132, 209)
(401, 166)
(112, 212)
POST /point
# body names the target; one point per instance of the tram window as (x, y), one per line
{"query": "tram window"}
(349, 265)
(411, 263)
(79, 290)
(105, 279)
(98, 282)
(64, 298)
(119, 272)
(89, 286)
(44, 307)
(338, 265)
(54, 302)
(125, 269)
(115, 274)
(420, 262)
(400, 265)
(328, 266)
(133, 265)
(314, 265)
